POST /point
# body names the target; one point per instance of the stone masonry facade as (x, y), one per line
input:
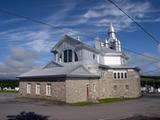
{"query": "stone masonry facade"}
(57, 89)
(78, 89)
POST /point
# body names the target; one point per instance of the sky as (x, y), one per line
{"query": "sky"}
(25, 44)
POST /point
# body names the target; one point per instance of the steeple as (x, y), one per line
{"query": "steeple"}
(111, 32)
(112, 41)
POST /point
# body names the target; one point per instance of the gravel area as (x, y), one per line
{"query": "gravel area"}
(129, 110)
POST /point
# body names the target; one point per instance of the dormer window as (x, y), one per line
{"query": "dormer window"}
(75, 57)
(69, 56)
(60, 58)
(94, 56)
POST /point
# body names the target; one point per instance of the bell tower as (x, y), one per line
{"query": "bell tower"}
(112, 41)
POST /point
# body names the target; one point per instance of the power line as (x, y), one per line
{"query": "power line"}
(151, 71)
(30, 19)
(148, 64)
(140, 26)
(153, 58)
(57, 27)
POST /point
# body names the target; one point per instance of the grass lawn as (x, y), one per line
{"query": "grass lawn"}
(84, 103)
(8, 91)
(41, 99)
(102, 101)
(111, 100)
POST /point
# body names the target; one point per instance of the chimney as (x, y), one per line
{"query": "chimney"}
(97, 43)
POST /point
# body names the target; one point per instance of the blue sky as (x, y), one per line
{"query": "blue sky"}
(25, 44)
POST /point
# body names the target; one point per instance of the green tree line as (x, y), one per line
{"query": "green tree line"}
(150, 80)
(9, 83)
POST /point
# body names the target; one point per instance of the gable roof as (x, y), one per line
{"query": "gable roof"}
(67, 70)
(77, 43)
(52, 64)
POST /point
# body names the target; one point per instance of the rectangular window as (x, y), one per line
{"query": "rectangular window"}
(102, 74)
(65, 56)
(70, 56)
(127, 87)
(48, 90)
(28, 88)
(115, 87)
(37, 89)
(94, 88)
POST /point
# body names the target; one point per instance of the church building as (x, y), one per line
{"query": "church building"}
(80, 72)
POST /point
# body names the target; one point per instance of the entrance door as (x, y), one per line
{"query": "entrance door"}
(87, 91)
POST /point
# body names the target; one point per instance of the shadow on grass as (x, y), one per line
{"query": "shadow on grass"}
(27, 116)
(141, 117)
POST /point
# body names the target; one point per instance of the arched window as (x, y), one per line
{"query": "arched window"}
(121, 75)
(115, 75)
(68, 56)
(118, 75)
(125, 75)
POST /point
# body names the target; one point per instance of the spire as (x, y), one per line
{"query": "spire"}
(111, 28)
(113, 42)
(78, 37)
(111, 31)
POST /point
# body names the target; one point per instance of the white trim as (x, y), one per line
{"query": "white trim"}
(48, 90)
(28, 88)
(122, 74)
(94, 88)
(38, 89)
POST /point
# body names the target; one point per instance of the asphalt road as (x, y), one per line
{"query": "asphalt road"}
(149, 106)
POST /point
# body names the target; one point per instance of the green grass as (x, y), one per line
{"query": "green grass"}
(8, 91)
(41, 99)
(84, 103)
(102, 101)
(111, 100)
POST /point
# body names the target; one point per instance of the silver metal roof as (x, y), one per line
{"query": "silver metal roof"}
(78, 44)
(69, 69)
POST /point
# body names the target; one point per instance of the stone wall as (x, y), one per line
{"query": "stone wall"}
(129, 87)
(75, 90)
(58, 91)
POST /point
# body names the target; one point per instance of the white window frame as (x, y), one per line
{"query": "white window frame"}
(114, 75)
(94, 88)
(121, 73)
(38, 89)
(28, 88)
(48, 90)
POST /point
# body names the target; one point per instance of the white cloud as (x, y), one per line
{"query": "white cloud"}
(13, 20)
(146, 64)
(107, 12)
(20, 60)
(41, 39)
(158, 47)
